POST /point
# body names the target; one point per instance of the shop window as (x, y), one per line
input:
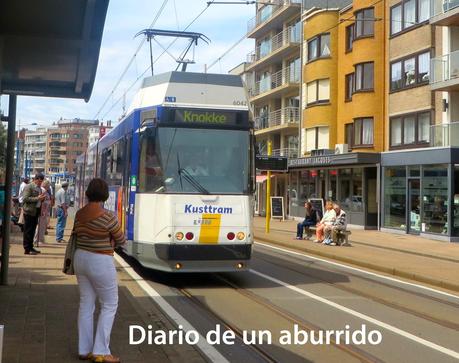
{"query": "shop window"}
(435, 199)
(364, 23)
(350, 193)
(411, 130)
(407, 14)
(364, 76)
(363, 132)
(319, 47)
(395, 197)
(318, 91)
(455, 215)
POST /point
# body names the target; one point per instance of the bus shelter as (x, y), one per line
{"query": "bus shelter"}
(50, 49)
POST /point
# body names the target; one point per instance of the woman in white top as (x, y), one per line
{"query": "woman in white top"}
(328, 218)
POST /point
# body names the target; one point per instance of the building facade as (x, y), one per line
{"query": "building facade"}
(420, 179)
(66, 141)
(275, 68)
(35, 151)
(343, 111)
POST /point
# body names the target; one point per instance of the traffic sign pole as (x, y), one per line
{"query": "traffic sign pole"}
(268, 192)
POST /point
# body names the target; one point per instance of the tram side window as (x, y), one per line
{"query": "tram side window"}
(113, 163)
(150, 171)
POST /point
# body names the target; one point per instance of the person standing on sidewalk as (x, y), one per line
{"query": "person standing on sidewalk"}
(62, 205)
(32, 199)
(98, 233)
(44, 214)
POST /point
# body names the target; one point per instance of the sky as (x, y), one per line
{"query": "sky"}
(223, 24)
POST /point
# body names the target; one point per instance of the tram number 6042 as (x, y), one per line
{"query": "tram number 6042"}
(239, 103)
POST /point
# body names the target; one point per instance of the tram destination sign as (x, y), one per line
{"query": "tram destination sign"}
(211, 118)
(271, 163)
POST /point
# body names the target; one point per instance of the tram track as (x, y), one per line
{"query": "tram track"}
(353, 351)
(238, 332)
(354, 291)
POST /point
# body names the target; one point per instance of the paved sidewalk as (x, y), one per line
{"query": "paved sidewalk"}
(39, 309)
(414, 258)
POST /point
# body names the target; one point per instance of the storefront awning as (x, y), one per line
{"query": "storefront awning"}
(262, 178)
(353, 158)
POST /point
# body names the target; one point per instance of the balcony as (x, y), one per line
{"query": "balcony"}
(445, 72)
(276, 48)
(284, 117)
(271, 16)
(445, 135)
(284, 81)
(444, 12)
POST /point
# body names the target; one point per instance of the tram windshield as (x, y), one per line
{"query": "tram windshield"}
(196, 161)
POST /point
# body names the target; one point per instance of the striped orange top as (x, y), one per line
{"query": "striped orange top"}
(100, 234)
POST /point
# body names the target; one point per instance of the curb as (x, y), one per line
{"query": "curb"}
(352, 261)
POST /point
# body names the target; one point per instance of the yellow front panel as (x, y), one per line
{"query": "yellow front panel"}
(210, 231)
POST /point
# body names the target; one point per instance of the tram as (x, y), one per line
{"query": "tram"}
(180, 167)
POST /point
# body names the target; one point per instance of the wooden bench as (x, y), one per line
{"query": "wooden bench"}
(309, 231)
(343, 238)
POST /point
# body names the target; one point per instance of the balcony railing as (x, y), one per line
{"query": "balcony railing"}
(445, 67)
(442, 6)
(288, 36)
(288, 152)
(279, 117)
(444, 135)
(267, 12)
(275, 80)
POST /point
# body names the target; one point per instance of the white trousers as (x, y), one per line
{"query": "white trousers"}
(96, 275)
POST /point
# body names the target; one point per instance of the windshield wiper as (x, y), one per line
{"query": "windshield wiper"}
(178, 170)
(190, 179)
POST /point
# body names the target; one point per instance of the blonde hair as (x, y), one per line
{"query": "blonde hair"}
(45, 183)
(329, 204)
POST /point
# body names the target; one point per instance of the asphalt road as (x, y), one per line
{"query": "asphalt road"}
(285, 290)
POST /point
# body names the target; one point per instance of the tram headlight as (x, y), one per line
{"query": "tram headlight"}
(240, 236)
(178, 266)
(230, 236)
(179, 236)
(240, 265)
(189, 236)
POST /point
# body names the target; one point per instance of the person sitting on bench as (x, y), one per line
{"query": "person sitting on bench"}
(311, 218)
(339, 225)
(327, 220)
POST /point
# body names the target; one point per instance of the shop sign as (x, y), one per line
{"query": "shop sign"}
(311, 161)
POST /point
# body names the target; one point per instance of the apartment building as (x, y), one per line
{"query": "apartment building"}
(343, 110)
(420, 180)
(275, 68)
(35, 151)
(66, 141)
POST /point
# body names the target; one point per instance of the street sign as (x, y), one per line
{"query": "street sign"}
(271, 163)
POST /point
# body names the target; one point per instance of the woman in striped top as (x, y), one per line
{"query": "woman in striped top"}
(97, 234)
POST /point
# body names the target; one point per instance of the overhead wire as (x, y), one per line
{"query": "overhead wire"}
(157, 58)
(155, 19)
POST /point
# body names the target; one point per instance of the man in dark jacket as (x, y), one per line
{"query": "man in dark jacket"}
(32, 199)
